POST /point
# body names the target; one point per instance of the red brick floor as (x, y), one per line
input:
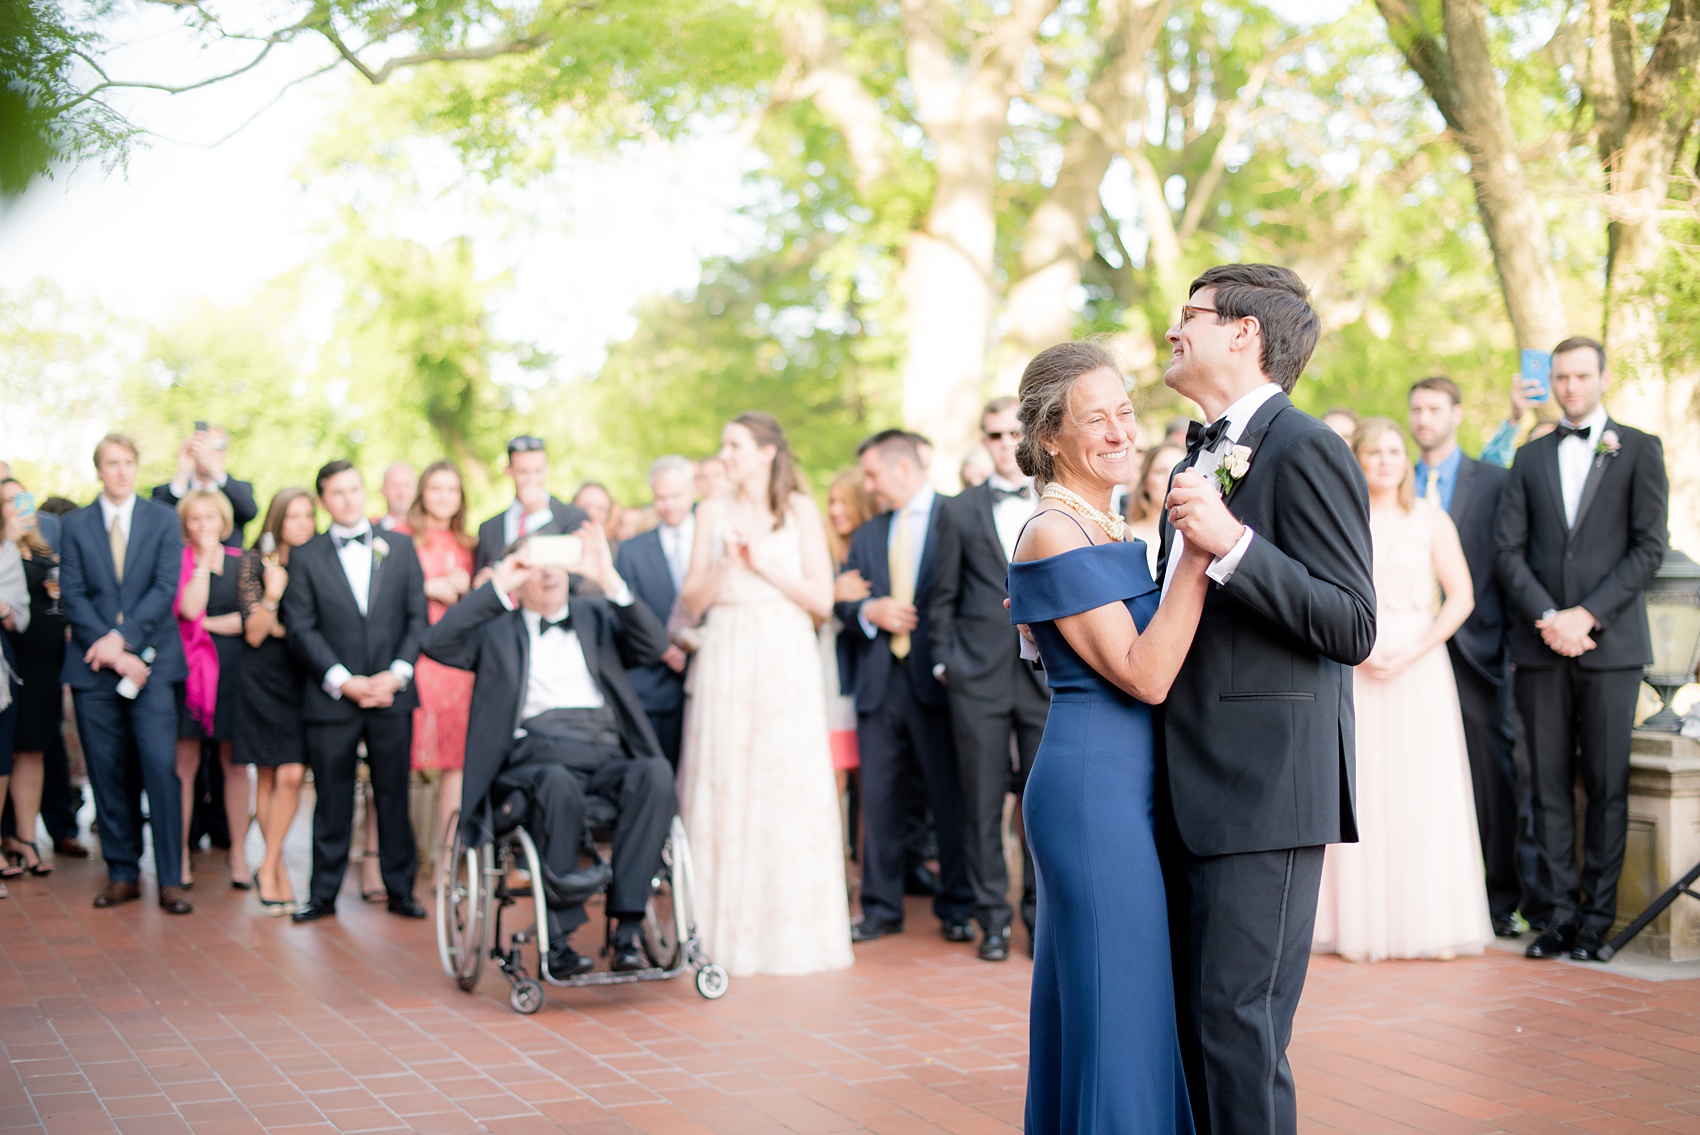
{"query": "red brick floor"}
(228, 1022)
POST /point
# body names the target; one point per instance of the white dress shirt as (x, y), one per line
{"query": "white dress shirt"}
(1576, 460)
(1010, 513)
(1239, 416)
(533, 521)
(557, 675)
(918, 515)
(356, 558)
(676, 544)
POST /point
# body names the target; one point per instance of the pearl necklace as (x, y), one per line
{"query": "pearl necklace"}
(1114, 526)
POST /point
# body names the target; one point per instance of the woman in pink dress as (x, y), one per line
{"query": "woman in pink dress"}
(437, 523)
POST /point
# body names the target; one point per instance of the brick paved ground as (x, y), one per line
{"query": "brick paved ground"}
(226, 1022)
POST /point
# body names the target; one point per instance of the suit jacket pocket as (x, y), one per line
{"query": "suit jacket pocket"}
(1272, 695)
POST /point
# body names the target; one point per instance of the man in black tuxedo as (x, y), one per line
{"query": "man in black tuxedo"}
(994, 696)
(1469, 491)
(1580, 532)
(355, 609)
(654, 563)
(554, 716)
(1256, 740)
(200, 465)
(534, 510)
(119, 563)
(901, 713)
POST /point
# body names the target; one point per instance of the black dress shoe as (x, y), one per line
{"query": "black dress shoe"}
(872, 930)
(406, 906)
(174, 900)
(627, 956)
(1554, 941)
(1587, 946)
(312, 912)
(1505, 926)
(564, 961)
(994, 947)
(921, 881)
(953, 931)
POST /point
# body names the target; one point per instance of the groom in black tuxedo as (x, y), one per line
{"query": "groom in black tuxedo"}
(355, 609)
(1256, 739)
(1580, 532)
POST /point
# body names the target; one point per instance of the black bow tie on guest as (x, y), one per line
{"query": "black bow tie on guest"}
(1201, 437)
(565, 622)
(1565, 431)
(358, 538)
(1025, 492)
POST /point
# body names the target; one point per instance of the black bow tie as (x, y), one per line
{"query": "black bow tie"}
(1023, 493)
(358, 538)
(1201, 437)
(1565, 431)
(565, 623)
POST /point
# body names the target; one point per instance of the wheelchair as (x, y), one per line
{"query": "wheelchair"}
(477, 884)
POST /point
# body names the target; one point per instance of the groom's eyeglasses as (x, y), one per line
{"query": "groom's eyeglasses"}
(1188, 311)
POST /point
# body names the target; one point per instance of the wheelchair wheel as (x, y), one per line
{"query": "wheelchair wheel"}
(463, 910)
(526, 996)
(661, 938)
(712, 981)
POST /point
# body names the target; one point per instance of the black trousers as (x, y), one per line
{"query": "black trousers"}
(1578, 723)
(131, 747)
(900, 732)
(983, 731)
(669, 726)
(333, 755)
(1490, 739)
(643, 795)
(1240, 931)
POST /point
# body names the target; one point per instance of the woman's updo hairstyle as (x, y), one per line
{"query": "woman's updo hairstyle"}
(785, 478)
(1045, 388)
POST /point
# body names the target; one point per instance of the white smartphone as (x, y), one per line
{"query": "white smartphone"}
(555, 551)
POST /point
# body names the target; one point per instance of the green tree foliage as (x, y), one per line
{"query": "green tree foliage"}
(46, 115)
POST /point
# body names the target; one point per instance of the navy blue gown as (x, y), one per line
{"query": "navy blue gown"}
(1105, 1058)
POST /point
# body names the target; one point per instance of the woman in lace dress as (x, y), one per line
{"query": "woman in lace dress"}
(1411, 887)
(756, 784)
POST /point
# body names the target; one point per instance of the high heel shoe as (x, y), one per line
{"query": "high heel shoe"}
(273, 906)
(16, 850)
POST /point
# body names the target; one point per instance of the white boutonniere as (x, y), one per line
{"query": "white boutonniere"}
(1608, 446)
(380, 549)
(1235, 465)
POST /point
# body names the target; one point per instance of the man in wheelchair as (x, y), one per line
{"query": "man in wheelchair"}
(554, 715)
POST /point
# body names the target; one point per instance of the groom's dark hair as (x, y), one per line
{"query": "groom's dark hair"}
(1280, 302)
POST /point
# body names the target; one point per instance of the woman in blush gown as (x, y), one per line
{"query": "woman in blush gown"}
(1105, 1055)
(1411, 887)
(755, 770)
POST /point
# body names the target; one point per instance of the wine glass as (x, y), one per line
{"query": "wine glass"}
(52, 587)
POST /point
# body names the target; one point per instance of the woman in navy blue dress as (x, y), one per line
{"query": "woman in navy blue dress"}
(1104, 1051)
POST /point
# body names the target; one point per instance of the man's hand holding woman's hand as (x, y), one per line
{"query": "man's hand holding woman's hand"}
(1198, 513)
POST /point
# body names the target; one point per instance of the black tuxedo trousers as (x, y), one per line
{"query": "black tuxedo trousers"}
(334, 754)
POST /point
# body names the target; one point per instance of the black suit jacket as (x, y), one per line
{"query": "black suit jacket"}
(1483, 640)
(327, 629)
(482, 635)
(1258, 734)
(971, 631)
(642, 563)
(1603, 563)
(92, 597)
(492, 539)
(872, 657)
(240, 494)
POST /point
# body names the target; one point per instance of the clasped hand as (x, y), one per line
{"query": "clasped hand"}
(375, 692)
(1568, 632)
(1198, 513)
(891, 616)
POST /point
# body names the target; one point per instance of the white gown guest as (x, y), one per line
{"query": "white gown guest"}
(756, 784)
(1411, 887)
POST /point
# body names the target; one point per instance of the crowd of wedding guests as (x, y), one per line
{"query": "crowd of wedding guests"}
(806, 687)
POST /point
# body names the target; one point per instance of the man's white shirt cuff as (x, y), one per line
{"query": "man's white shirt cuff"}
(402, 670)
(334, 678)
(1222, 568)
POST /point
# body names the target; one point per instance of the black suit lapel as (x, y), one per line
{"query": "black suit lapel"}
(924, 572)
(522, 647)
(1548, 466)
(1591, 487)
(377, 575)
(880, 582)
(988, 510)
(337, 570)
(1461, 491)
(1260, 421)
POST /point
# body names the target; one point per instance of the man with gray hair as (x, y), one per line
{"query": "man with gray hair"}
(654, 564)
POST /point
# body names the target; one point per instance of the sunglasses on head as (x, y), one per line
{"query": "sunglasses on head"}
(999, 435)
(525, 444)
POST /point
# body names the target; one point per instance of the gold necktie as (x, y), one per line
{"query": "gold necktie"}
(902, 575)
(1432, 490)
(116, 536)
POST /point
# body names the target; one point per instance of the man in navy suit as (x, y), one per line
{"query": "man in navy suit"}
(653, 564)
(120, 559)
(901, 714)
